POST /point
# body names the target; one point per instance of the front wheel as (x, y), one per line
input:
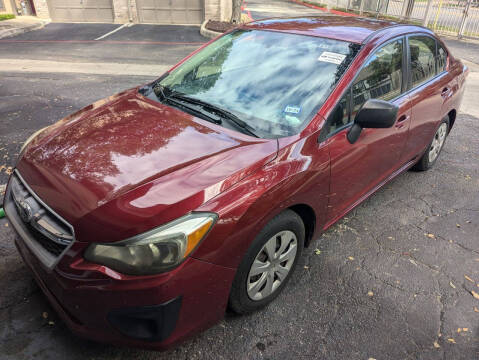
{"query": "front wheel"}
(268, 263)
(432, 153)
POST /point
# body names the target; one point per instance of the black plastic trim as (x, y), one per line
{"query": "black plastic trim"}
(148, 323)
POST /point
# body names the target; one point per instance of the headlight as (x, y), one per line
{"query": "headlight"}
(31, 138)
(155, 251)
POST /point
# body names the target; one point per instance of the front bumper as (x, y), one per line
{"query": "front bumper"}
(148, 311)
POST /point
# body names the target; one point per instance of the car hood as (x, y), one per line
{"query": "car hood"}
(130, 163)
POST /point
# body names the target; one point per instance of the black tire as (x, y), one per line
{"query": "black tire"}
(424, 164)
(239, 300)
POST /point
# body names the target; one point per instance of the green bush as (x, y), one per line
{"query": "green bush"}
(6, 16)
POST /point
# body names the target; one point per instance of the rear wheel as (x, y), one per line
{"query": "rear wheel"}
(268, 263)
(432, 153)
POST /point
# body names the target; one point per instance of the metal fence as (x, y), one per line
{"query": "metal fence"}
(453, 17)
(460, 17)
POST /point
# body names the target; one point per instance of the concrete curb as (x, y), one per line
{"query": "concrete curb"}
(50, 66)
(208, 33)
(21, 30)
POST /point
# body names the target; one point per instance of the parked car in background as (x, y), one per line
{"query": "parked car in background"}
(145, 215)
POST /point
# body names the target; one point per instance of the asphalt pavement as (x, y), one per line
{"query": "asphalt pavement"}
(393, 280)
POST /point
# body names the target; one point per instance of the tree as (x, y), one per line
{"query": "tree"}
(236, 13)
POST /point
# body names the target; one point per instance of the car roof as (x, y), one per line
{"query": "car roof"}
(347, 28)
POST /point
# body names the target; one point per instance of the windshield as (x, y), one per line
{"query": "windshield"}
(274, 82)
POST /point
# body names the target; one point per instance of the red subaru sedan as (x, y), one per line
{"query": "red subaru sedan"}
(145, 215)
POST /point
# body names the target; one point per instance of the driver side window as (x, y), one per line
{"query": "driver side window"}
(380, 78)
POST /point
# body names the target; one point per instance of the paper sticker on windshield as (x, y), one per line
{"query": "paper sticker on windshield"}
(333, 58)
(292, 109)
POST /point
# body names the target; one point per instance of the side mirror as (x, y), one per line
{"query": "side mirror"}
(375, 114)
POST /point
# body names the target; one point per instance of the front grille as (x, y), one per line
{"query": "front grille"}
(46, 228)
(52, 247)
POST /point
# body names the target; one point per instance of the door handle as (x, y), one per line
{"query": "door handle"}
(445, 92)
(401, 121)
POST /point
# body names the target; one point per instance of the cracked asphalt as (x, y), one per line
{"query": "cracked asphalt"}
(393, 280)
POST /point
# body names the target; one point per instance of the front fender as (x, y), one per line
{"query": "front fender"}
(299, 175)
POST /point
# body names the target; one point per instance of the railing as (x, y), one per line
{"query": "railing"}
(453, 17)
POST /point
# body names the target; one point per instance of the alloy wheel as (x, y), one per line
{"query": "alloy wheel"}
(272, 265)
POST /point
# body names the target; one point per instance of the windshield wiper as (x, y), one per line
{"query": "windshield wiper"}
(224, 114)
(197, 109)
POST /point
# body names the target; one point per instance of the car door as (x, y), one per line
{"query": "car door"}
(431, 86)
(356, 169)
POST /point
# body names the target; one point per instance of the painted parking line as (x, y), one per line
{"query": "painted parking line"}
(113, 42)
(115, 30)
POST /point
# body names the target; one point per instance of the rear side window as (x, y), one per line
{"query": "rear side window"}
(441, 59)
(422, 50)
(381, 77)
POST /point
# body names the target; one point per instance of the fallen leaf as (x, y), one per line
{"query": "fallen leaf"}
(475, 294)
(452, 285)
(468, 278)
(317, 251)
(451, 340)
(350, 258)
(44, 314)
(370, 293)
(436, 345)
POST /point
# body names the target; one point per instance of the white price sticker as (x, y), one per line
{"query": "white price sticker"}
(333, 58)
